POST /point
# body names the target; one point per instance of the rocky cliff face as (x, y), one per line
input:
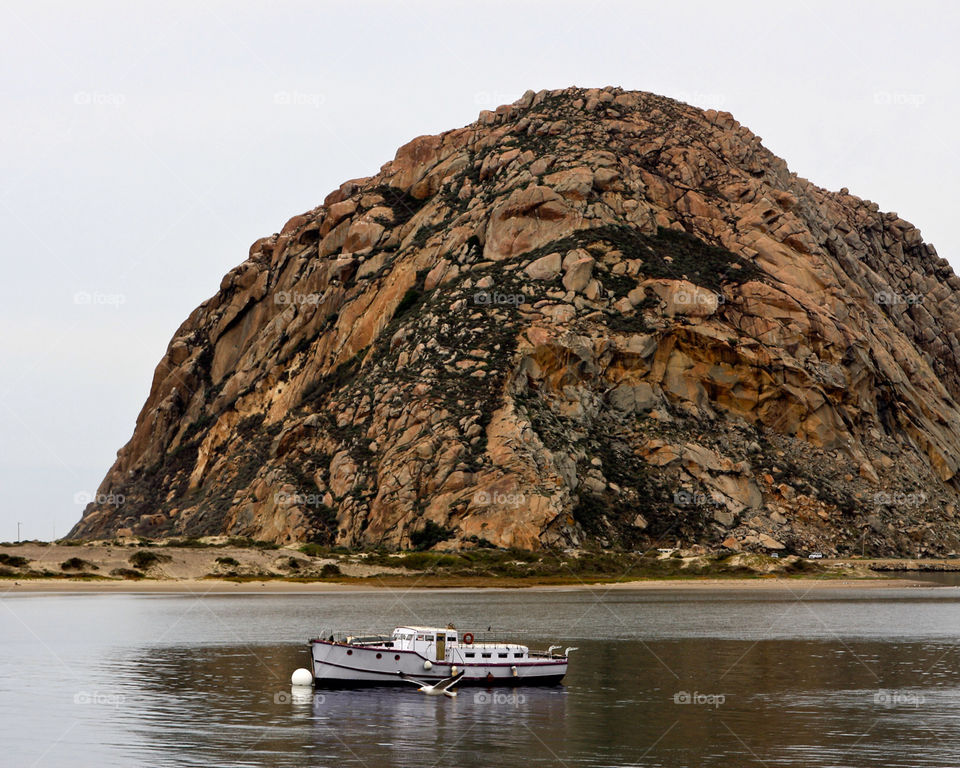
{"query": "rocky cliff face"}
(592, 315)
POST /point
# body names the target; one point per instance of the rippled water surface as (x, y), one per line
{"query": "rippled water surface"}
(826, 677)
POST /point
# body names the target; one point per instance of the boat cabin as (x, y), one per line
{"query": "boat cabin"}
(440, 644)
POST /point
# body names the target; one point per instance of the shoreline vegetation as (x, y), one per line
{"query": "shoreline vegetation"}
(223, 564)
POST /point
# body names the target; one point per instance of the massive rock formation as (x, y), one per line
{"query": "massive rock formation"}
(590, 316)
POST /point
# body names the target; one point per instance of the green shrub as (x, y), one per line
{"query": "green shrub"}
(145, 559)
(524, 555)
(329, 570)
(14, 561)
(246, 543)
(420, 561)
(77, 564)
(193, 543)
(429, 535)
(126, 573)
(314, 550)
(381, 558)
(228, 561)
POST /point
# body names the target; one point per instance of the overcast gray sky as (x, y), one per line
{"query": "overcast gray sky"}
(144, 146)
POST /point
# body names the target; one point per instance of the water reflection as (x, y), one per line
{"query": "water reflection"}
(942, 578)
(239, 700)
(672, 702)
(679, 679)
(402, 727)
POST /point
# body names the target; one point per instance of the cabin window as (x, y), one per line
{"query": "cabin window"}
(379, 655)
(428, 638)
(388, 644)
(518, 655)
(502, 655)
(485, 655)
(419, 637)
(470, 654)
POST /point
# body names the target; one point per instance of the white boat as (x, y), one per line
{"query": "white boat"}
(431, 654)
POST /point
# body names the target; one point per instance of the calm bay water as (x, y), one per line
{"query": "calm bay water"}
(827, 677)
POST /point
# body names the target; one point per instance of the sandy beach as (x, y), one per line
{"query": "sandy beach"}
(218, 587)
(118, 567)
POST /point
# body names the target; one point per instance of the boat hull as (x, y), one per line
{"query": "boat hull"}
(339, 665)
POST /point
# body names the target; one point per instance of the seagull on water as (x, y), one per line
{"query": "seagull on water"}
(437, 689)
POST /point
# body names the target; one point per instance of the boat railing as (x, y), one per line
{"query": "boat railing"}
(497, 638)
(545, 655)
(478, 639)
(355, 638)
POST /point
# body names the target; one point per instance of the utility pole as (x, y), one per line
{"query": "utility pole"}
(18, 530)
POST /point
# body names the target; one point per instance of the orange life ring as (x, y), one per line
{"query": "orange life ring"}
(468, 638)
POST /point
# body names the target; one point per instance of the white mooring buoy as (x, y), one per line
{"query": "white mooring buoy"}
(301, 677)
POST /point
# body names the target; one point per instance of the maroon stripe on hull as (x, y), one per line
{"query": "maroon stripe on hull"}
(385, 677)
(500, 682)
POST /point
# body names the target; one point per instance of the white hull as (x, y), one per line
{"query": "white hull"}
(345, 664)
